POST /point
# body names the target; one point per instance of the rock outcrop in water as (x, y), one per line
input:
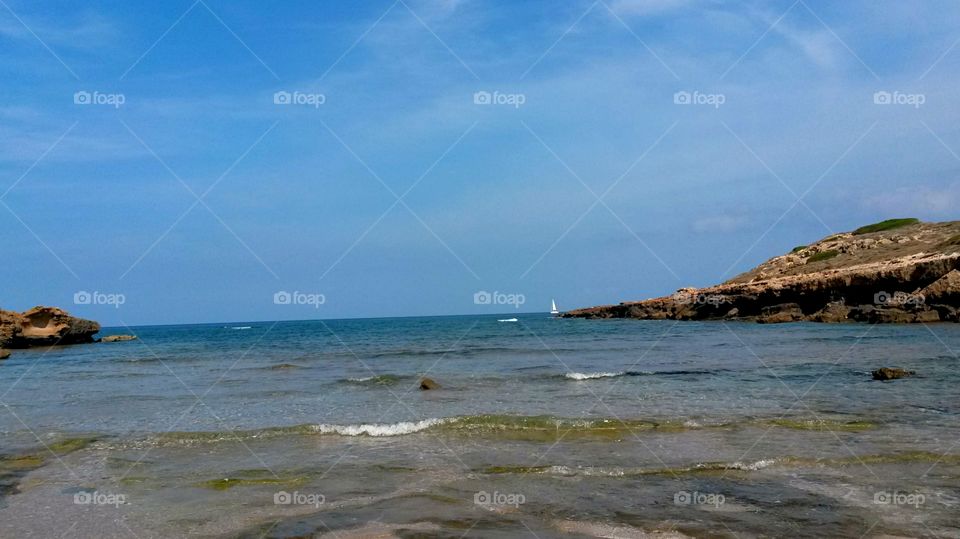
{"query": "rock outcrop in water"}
(44, 326)
(896, 271)
(118, 338)
(886, 373)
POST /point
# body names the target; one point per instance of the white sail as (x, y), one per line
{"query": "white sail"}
(553, 307)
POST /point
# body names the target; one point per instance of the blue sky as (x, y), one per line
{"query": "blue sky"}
(198, 198)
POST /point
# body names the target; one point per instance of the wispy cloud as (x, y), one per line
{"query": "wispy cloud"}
(921, 200)
(86, 32)
(818, 45)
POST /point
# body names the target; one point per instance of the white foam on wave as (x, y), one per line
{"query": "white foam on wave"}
(753, 466)
(379, 429)
(591, 375)
(588, 471)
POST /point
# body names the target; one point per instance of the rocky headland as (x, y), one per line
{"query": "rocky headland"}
(896, 271)
(44, 326)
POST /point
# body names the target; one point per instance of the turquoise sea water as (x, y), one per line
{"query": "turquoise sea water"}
(542, 427)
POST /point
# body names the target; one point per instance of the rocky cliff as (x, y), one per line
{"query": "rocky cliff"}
(900, 270)
(44, 326)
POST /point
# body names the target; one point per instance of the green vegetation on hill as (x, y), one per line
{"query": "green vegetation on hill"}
(823, 255)
(798, 248)
(889, 224)
(955, 240)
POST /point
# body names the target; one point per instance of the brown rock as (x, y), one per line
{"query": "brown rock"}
(4, 354)
(117, 338)
(946, 289)
(835, 311)
(778, 314)
(886, 373)
(10, 325)
(44, 326)
(926, 316)
(427, 384)
(947, 313)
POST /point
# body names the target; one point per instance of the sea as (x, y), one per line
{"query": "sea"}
(540, 427)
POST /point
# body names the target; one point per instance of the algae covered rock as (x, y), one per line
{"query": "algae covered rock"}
(886, 373)
(428, 384)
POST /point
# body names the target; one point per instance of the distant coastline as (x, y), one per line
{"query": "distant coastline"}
(895, 271)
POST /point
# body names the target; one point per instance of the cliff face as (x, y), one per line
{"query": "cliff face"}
(44, 326)
(905, 273)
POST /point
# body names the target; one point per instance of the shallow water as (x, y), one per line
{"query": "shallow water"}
(545, 427)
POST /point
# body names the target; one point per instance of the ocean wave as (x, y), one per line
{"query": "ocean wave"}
(596, 375)
(540, 428)
(280, 367)
(377, 380)
(380, 429)
(466, 351)
(618, 471)
(592, 375)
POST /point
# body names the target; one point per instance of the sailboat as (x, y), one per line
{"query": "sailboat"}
(553, 307)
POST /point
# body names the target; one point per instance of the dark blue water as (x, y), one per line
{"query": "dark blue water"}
(782, 416)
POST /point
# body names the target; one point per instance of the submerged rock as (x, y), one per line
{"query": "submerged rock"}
(427, 384)
(4, 354)
(44, 326)
(117, 338)
(886, 373)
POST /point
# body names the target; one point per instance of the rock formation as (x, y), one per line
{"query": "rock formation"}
(897, 271)
(44, 326)
(118, 338)
(886, 373)
(427, 384)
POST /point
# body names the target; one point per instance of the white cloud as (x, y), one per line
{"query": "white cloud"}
(919, 201)
(86, 33)
(819, 46)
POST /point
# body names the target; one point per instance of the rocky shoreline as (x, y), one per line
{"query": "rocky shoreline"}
(43, 326)
(899, 271)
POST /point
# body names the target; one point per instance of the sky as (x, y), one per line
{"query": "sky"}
(212, 161)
